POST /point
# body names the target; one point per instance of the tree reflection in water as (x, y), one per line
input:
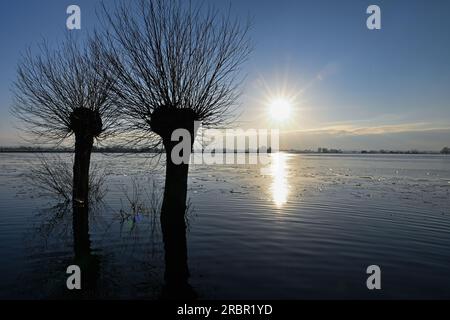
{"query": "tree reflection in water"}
(173, 222)
(72, 223)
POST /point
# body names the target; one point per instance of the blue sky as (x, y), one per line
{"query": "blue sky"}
(354, 88)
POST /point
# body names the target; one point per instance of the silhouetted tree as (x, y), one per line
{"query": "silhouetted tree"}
(445, 150)
(175, 63)
(65, 92)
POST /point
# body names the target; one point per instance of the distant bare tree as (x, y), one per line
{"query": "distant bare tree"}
(65, 92)
(175, 63)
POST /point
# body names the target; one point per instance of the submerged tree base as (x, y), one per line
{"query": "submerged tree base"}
(164, 121)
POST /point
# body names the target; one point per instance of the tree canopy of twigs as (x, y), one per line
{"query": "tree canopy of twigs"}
(52, 84)
(176, 55)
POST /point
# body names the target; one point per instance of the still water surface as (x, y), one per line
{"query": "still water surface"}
(301, 226)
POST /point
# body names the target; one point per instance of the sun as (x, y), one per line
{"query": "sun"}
(280, 109)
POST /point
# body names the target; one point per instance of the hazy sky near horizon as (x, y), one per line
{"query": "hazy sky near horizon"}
(352, 88)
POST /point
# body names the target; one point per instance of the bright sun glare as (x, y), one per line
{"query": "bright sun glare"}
(280, 109)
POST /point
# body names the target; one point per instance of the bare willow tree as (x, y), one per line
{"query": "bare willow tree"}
(64, 92)
(175, 63)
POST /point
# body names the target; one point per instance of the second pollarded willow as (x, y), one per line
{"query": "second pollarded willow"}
(175, 63)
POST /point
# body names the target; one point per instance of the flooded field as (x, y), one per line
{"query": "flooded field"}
(299, 227)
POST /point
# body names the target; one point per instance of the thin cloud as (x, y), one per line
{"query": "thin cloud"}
(351, 130)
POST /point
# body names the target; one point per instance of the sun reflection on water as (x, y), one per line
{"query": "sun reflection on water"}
(280, 186)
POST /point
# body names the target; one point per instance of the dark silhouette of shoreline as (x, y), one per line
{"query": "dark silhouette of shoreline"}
(117, 149)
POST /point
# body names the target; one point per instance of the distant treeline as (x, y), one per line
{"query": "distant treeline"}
(445, 150)
(119, 149)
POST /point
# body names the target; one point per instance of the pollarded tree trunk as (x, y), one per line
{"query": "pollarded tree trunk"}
(86, 124)
(164, 122)
(83, 150)
(175, 188)
(173, 223)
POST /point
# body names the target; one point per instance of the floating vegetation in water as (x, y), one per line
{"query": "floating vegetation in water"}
(52, 176)
(139, 203)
